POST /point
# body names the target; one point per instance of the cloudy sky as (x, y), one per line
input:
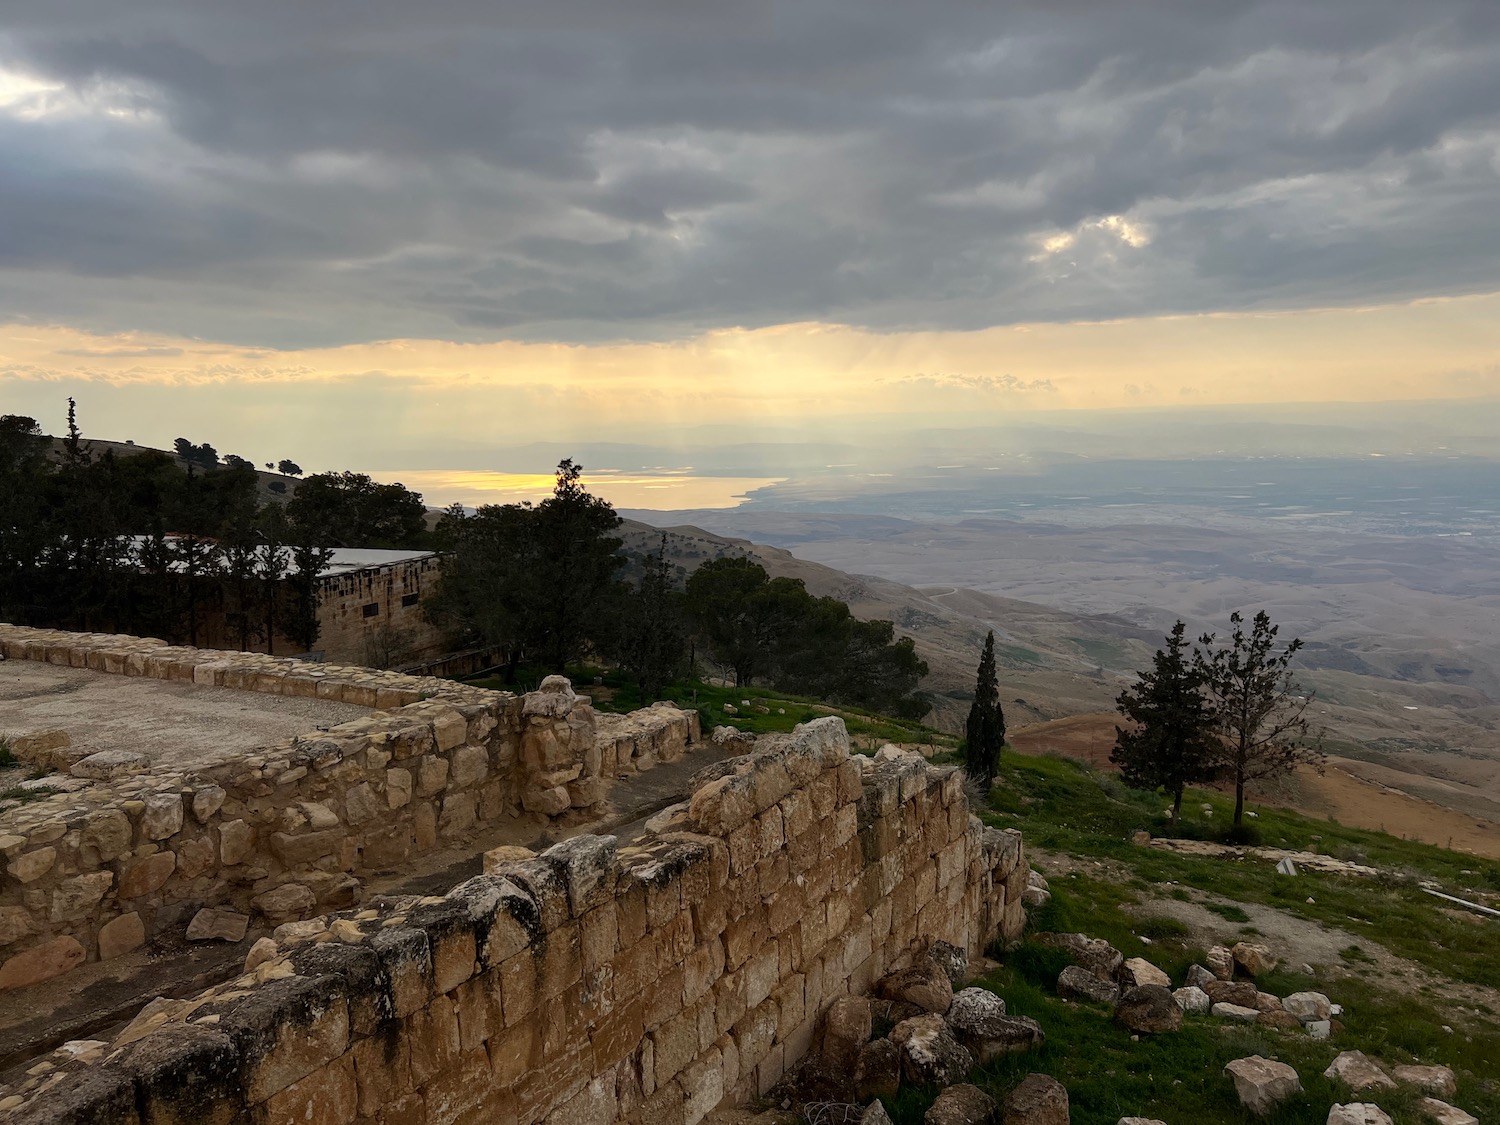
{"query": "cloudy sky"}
(447, 224)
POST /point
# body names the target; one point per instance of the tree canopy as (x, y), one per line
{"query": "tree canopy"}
(984, 731)
(1170, 739)
(353, 510)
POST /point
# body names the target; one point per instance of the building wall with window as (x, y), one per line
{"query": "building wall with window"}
(372, 614)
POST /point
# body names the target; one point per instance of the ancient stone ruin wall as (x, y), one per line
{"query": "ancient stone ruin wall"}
(288, 831)
(395, 590)
(591, 984)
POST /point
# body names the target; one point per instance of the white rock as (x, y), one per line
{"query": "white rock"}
(1235, 1012)
(1445, 1114)
(1438, 1081)
(1308, 1006)
(1319, 1029)
(1192, 1000)
(1137, 970)
(1262, 1083)
(1356, 1070)
(1358, 1113)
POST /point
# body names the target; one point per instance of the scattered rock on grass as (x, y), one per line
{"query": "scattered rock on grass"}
(875, 1114)
(1038, 1100)
(1358, 1113)
(1138, 970)
(1358, 1071)
(1192, 1000)
(1261, 1083)
(1281, 1021)
(1240, 992)
(1308, 1006)
(1235, 1012)
(925, 984)
(877, 1071)
(1438, 1081)
(1149, 1009)
(1094, 954)
(978, 1019)
(930, 1054)
(1445, 1114)
(961, 1105)
(1220, 962)
(1254, 958)
(1198, 976)
(1077, 983)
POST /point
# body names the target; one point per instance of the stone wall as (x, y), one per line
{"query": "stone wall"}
(592, 984)
(288, 831)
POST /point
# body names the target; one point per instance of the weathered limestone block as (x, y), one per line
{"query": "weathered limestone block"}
(217, 924)
(1262, 1083)
(361, 805)
(143, 876)
(120, 935)
(398, 787)
(28, 867)
(15, 923)
(109, 832)
(162, 817)
(289, 902)
(206, 802)
(1038, 1100)
(41, 962)
(236, 842)
(195, 857)
(74, 897)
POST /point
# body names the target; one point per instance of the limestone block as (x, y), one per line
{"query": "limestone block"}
(236, 842)
(458, 815)
(1262, 1083)
(1038, 1100)
(1308, 1006)
(289, 902)
(1137, 970)
(15, 923)
(74, 897)
(217, 924)
(30, 866)
(1358, 1113)
(360, 804)
(206, 802)
(109, 763)
(1359, 1072)
(1255, 959)
(548, 802)
(432, 775)
(301, 1038)
(1438, 1081)
(162, 817)
(42, 962)
(109, 832)
(470, 764)
(293, 850)
(120, 935)
(398, 784)
(1445, 1114)
(961, 1105)
(449, 730)
(195, 856)
(142, 876)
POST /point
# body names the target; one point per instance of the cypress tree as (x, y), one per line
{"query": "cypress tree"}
(985, 729)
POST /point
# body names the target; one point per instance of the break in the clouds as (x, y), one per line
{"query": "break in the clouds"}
(290, 174)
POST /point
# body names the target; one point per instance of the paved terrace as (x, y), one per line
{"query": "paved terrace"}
(177, 725)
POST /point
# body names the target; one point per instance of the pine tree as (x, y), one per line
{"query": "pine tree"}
(1261, 708)
(1170, 741)
(986, 726)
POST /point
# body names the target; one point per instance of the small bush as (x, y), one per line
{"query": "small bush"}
(7, 754)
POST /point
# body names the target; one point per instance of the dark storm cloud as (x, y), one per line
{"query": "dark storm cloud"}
(286, 173)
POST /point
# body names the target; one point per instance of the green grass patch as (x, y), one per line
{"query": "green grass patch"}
(1063, 806)
(1228, 911)
(1178, 1077)
(26, 796)
(7, 754)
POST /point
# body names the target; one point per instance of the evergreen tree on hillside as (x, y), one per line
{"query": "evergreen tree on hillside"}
(653, 638)
(1171, 740)
(1261, 708)
(985, 729)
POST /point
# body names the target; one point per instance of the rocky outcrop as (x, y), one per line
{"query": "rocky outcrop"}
(1358, 1071)
(1038, 1100)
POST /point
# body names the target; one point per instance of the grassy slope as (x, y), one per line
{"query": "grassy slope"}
(1179, 1077)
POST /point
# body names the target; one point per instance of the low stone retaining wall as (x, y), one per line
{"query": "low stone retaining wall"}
(591, 984)
(288, 831)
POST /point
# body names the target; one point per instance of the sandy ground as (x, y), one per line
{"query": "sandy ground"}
(174, 724)
(1339, 793)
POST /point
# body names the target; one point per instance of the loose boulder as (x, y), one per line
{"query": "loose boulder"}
(874, 1113)
(1236, 1012)
(1358, 1071)
(1445, 1114)
(1149, 1009)
(925, 984)
(1192, 1000)
(1358, 1113)
(1198, 976)
(1308, 1006)
(1220, 963)
(1138, 970)
(1094, 954)
(930, 1053)
(978, 1019)
(1240, 992)
(1038, 1100)
(1281, 1021)
(1255, 959)
(1438, 1081)
(952, 960)
(877, 1071)
(961, 1105)
(1077, 983)
(1262, 1083)
(846, 1028)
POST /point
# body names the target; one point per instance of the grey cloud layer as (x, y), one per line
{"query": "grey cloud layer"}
(281, 173)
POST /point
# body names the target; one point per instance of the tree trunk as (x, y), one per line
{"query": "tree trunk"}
(1239, 797)
(1176, 806)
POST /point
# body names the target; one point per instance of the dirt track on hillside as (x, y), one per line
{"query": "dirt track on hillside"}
(1337, 794)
